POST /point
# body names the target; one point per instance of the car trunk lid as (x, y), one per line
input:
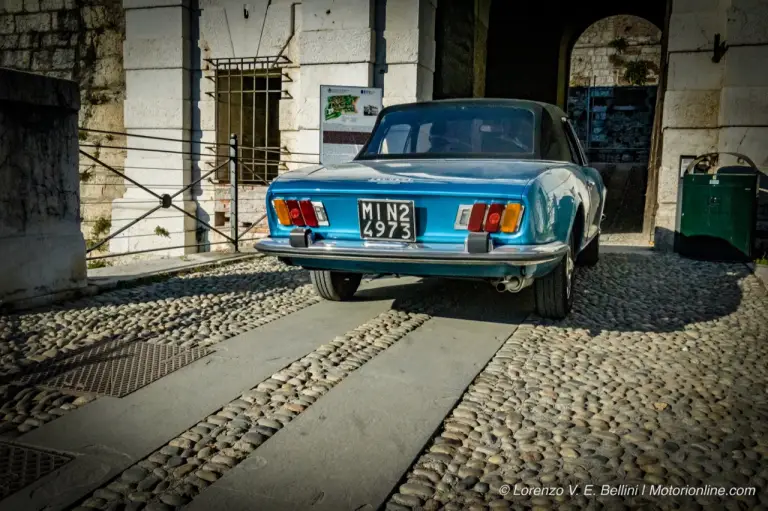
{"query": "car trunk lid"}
(437, 188)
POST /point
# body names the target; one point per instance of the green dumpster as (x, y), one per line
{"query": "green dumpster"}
(718, 214)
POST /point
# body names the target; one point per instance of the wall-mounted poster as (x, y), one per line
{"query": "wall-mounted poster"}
(347, 117)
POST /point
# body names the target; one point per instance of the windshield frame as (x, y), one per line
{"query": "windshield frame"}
(533, 108)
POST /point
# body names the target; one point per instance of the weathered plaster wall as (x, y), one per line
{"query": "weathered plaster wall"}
(170, 88)
(268, 31)
(225, 32)
(712, 106)
(41, 245)
(79, 40)
(593, 59)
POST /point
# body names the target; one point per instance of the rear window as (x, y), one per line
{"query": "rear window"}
(450, 131)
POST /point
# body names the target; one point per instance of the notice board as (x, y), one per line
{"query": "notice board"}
(347, 117)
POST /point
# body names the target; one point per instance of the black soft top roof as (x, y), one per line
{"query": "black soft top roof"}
(537, 107)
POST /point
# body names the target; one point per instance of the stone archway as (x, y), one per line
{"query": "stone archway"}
(507, 49)
(613, 71)
(530, 43)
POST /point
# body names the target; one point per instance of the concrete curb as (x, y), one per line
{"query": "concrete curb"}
(761, 272)
(95, 287)
(109, 283)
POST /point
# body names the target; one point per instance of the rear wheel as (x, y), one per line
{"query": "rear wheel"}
(554, 292)
(591, 253)
(335, 285)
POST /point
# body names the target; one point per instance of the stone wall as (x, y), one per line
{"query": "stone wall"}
(144, 68)
(80, 40)
(712, 106)
(596, 59)
(41, 245)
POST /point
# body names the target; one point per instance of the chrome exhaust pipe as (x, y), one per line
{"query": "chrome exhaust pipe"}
(509, 284)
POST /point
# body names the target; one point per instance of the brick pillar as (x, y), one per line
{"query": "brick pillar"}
(157, 70)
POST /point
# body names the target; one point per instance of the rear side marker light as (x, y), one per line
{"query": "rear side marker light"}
(493, 219)
(510, 221)
(308, 212)
(295, 211)
(283, 215)
(476, 217)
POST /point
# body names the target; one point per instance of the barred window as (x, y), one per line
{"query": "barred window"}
(247, 104)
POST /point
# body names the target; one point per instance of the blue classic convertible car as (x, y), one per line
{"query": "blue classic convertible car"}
(498, 190)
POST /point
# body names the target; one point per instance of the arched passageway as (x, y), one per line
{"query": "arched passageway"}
(611, 100)
(532, 50)
(530, 43)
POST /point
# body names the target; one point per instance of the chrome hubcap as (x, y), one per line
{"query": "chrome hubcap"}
(569, 273)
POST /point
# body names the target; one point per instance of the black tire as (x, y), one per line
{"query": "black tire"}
(335, 285)
(591, 253)
(554, 292)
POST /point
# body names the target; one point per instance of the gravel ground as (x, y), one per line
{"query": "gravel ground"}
(194, 310)
(176, 473)
(658, 378)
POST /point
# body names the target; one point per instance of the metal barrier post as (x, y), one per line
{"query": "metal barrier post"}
(233, 181)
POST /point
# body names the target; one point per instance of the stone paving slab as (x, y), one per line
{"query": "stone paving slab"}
(352, 446)
(111, 434)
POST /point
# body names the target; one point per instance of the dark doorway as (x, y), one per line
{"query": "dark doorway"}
(529, 43)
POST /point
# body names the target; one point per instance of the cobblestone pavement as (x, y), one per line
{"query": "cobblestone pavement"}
(658, 378)
(194, 310)
(176, 473)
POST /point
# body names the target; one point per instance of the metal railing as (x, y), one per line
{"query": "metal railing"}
(164, 196)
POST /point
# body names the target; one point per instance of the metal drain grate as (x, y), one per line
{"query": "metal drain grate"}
(114, 368)
(22, 466)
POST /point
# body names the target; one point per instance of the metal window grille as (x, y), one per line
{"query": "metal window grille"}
(248, 93)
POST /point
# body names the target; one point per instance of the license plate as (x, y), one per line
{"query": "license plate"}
(387, 219)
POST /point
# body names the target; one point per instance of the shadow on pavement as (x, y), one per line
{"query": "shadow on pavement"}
(624, 292)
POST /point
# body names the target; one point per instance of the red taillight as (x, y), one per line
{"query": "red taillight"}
(477, 217)
(308, 212)
(295, 211)
(493, 219)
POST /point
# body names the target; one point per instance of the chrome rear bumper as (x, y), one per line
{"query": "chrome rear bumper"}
(426, 253)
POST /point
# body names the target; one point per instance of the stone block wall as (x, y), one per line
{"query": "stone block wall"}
(712, 106)
(594, 57)
(79, 40)
(41, 245)
(144, 68)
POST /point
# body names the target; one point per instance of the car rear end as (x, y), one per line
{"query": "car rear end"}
(408, 226)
